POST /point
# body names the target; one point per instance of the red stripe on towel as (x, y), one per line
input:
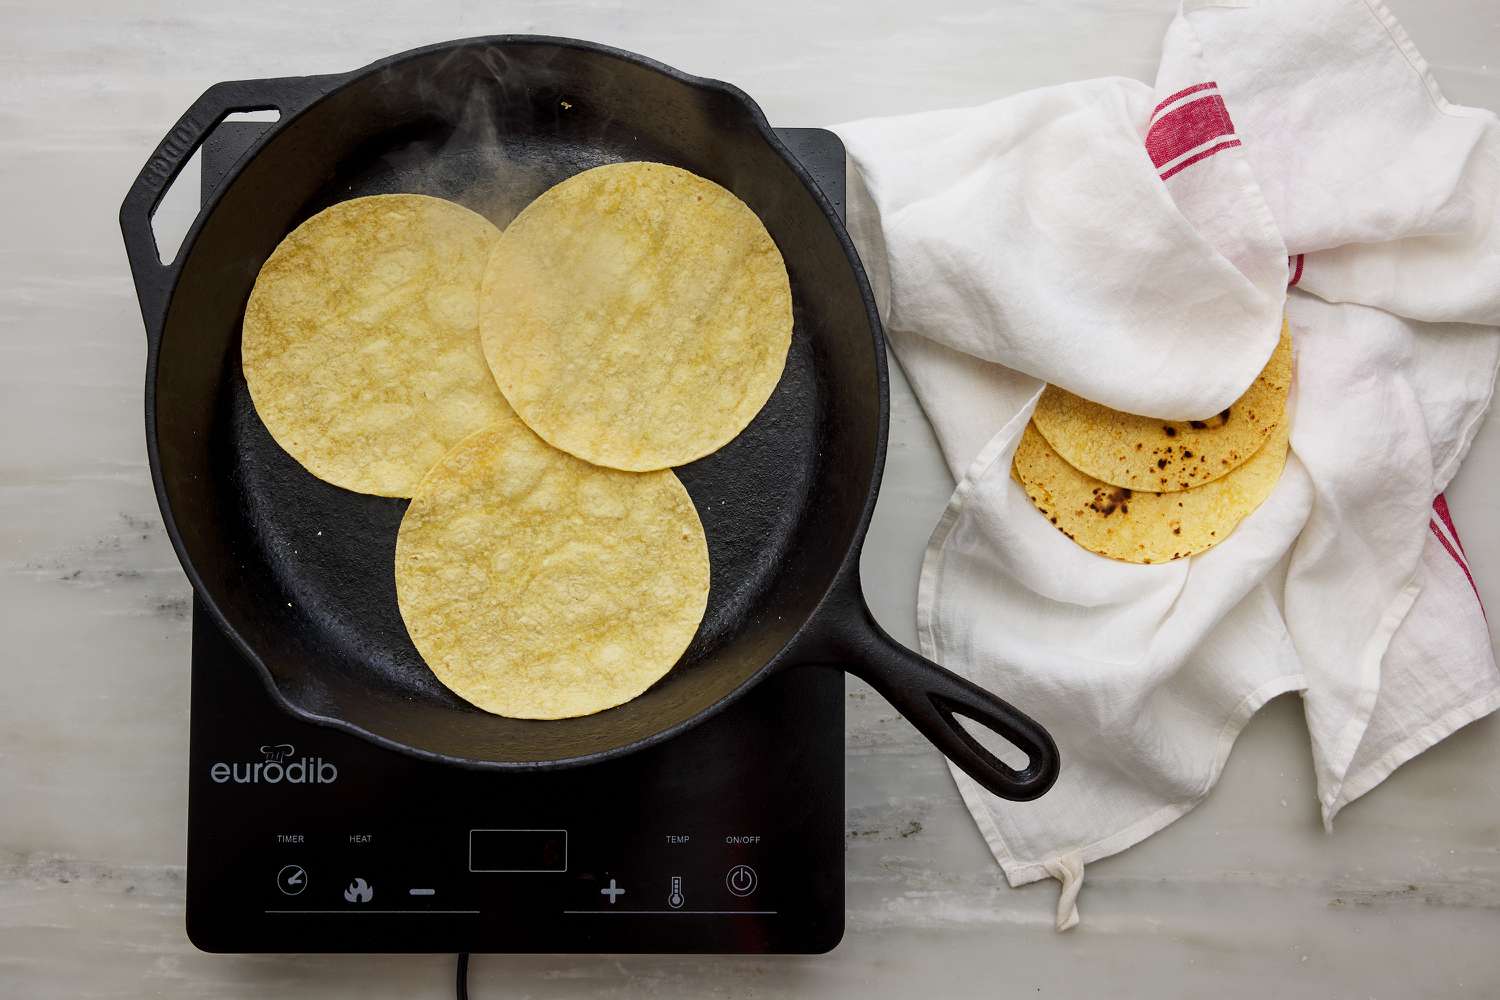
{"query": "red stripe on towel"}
(1443, 540)
(1440, 504)
(1201, 156)
(1296, 265)
(1186, 128)
(1183, 93)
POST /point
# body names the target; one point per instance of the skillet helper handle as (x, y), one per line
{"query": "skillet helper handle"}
(932, 698)
(155, 280)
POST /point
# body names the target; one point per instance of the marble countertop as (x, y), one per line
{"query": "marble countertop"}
(1243, 897)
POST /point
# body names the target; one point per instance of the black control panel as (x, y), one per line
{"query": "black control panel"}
(728, 838)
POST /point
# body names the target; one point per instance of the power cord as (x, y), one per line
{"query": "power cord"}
(463, 975)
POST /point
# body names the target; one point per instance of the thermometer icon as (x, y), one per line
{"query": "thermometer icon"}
(675, 899)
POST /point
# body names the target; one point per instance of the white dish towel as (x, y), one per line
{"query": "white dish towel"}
(1131, 243)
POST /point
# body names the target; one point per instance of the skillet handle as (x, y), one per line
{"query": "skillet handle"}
(154, 280)
(931, 698)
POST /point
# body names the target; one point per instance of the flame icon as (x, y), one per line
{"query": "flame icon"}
(359, 891)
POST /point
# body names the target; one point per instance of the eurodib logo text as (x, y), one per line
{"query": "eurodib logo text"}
(281, 765)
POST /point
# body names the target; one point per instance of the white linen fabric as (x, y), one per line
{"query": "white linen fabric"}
(1130, 243)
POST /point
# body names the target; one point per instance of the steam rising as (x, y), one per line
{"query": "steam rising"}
(493, 128)
(480, 143)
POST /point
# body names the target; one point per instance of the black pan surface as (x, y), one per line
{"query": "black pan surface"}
(300, 572)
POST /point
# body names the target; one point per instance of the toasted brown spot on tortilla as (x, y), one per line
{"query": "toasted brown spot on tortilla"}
(1152, 526)
(1107, 500)
(1092, 437)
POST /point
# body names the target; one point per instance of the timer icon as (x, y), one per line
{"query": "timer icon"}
(291, 880)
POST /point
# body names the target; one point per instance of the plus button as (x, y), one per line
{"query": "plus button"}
(611, 892)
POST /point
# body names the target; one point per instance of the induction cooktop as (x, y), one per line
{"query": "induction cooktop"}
(301, 838)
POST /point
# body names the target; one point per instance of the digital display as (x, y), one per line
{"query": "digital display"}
(518, 850)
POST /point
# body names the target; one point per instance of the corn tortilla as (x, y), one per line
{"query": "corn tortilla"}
(538, 586)
(361, 344)
(1138, 527)
(637, 315)
(1143, 453)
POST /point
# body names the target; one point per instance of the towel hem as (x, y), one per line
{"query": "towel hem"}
(1419, 65)
(1250, 188)
(1342, 750)
(1450, 722)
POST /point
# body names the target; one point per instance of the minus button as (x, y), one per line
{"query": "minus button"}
(421, 892)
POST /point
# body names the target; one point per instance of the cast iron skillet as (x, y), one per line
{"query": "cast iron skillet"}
(299, 572)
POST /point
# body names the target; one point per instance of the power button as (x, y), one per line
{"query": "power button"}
(741, 880)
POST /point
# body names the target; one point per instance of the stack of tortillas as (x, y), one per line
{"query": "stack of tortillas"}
(530, 391)
(1145, 490)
